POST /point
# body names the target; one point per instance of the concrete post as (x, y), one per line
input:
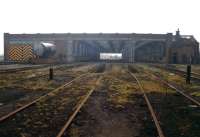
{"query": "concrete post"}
(130, 54)
(167, 48)
(86, 51)
(6, 44)
(133, 54)
(82, 50)
(131, 50)
(70, 57)
(126, 54)
(76, 49)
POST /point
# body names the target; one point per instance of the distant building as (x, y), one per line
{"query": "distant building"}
(72, 47)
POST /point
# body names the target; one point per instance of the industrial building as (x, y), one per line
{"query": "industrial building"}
(74, 47)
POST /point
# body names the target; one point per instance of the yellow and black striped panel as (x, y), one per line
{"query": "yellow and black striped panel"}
(14, 52)
(20, 52)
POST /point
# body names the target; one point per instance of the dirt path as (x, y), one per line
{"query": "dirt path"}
(111, 113)
(106, 122)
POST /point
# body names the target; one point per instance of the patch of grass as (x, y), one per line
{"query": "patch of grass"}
(119, 91)
(152, 86)
(74, 132)
(40, 85)
(196, 94)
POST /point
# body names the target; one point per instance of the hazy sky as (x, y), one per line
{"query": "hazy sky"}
(139, 16)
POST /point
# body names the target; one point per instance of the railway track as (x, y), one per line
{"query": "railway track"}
(22, 69)
(20, 77)
(194, 76)
(79, 106)
(50, 103)
(111, 111)
(52, 114)
(181, 110)
(26, 92)
(44, 68)
(3, 118)
(151, 110)
(39, 74)
(182, 92)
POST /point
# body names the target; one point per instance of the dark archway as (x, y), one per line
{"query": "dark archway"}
(150, 52)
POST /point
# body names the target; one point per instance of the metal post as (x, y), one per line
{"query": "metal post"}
(188, 77)
(50, 73)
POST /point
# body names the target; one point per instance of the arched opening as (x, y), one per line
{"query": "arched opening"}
(150, 52)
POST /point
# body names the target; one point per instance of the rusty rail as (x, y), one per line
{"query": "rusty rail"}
(13, 70)
(176, 89)
(155, 77)
(194, 76)
(43, 75)
(69, 121)
(158, 127)
(3, 118)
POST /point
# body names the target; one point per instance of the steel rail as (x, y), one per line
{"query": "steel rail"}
(3, 118)
(176, 89)
(173, 87)
(22, 69)
(158, 127)
(69, 121)
(56, 66)
(194, 76)
(39, 76)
